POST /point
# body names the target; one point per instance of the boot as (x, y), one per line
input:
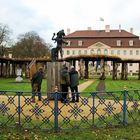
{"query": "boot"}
(73, 100)
(77, 99)
(33, 100)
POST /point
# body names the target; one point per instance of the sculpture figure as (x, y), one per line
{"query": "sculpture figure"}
(59, 40)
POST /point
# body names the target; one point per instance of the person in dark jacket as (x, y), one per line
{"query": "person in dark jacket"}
(74, 82)
(65, 82)
(36, 82)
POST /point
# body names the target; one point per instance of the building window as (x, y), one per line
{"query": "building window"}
(105, 51)
(118, 42)
(92, 51)
(112, 52)
(137, 52)
(68, 43)
(73, 52)
(124, 52)
(79, 52)
(80, 43)
(98, 51)
(63, 52)
(131, 52)
(131, 64)
(130, 42)
(85, 51)
(118, 52)
(68, 52)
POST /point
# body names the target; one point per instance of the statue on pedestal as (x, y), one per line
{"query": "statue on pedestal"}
(19, 73)
(59, 40)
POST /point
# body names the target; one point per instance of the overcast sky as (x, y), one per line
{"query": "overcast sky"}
(49, 16)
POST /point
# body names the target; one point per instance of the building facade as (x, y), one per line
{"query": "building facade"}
(119, 43)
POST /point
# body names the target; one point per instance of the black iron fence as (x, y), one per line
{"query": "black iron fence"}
(94, 109)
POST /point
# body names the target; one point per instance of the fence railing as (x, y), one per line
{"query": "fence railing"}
(94, 109)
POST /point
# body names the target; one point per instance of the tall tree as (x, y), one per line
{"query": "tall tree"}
(30, 45)
(4, 38)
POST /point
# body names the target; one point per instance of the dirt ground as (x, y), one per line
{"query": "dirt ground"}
(74, 111)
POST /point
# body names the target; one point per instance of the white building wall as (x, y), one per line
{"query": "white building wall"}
(125, 53)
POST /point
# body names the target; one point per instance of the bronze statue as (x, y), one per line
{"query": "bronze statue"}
(59, 40)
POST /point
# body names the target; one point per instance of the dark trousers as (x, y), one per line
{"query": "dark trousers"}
(36, 89)
(64, 89)
(74, 91)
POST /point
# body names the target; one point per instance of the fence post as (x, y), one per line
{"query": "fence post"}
(93, 107)
(56, 110)
(18, 109)
(124, 106)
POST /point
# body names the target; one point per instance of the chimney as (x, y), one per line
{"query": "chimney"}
(89, 28)
(68, 31)
(107, 28)
(120, 28)
(131, 30)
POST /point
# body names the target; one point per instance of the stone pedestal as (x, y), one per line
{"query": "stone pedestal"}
(19, 79)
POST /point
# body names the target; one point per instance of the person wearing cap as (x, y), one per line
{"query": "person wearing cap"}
(36, 82)
(65, 82)
(74, 82)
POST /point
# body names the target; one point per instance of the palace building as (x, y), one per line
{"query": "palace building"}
(120, 43)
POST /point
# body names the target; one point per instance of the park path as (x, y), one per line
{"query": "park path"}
(101, 86)
(84, 85)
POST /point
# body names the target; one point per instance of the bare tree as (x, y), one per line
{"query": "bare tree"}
(4, 38)
(30, 45)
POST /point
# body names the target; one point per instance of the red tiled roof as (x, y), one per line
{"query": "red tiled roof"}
(99, 33)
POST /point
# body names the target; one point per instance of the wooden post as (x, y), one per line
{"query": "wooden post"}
(125, 71)
(53, 77)
(139, 72)
(122, 71)
(32, 68)
(86, 69)
(81, 69)
(114, 74)
(8, 69)
(113, 71)
(74, 63)
(14, 69)
(102, 77)
(1, 72)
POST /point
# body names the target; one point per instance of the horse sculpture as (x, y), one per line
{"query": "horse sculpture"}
(59, 40)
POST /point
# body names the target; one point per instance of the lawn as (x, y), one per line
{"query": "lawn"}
(115, 85)
(130, 84)
(111, 85)
(11, 84)
(129, 132)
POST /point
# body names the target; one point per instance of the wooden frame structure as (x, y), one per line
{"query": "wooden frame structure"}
(8, 66)
(102, 58)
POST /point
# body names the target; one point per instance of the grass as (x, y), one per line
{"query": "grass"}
(129, 132)
(25, 86)
(115, 85)
(111, 85)
(92, 87)
(130, 84)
